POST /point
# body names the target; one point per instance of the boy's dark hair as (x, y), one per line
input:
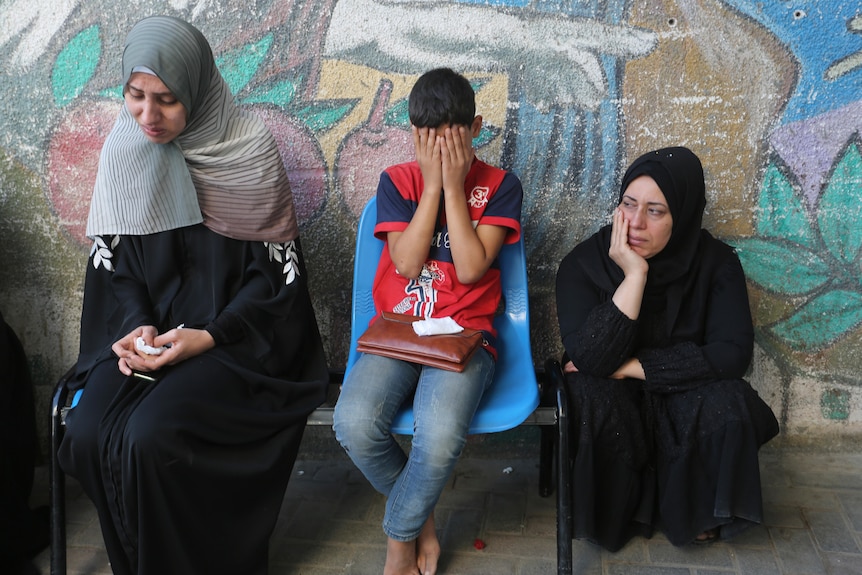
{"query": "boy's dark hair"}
(442, 96)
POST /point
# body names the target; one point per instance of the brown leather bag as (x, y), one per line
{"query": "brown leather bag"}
(392, 335)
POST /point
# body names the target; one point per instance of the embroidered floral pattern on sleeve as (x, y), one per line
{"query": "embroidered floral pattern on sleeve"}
(102, 253)
(284, 253)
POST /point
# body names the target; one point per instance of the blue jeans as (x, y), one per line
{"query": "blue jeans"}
(443, 406)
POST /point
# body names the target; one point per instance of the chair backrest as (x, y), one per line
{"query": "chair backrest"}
(514, 394)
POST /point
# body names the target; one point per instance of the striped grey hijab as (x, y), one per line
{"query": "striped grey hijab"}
(224, 170)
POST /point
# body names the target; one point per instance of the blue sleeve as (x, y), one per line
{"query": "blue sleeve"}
(504, 207)
(394, 211)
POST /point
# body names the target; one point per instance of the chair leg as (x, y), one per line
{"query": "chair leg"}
(57, 486)
(547, 443)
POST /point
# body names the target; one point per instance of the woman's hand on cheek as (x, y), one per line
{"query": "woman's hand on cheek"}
(620, 251)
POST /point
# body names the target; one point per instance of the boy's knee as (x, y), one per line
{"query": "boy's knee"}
(355, 430)
(440, 444)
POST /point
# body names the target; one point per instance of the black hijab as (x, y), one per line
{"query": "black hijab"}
(679, 174)
(675, 273)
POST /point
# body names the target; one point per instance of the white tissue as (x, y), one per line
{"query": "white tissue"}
(436, 326)
(148, 349)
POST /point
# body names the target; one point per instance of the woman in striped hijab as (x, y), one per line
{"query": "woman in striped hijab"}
(200, 355)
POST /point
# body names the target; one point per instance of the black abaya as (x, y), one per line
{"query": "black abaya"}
(188, 472)
(677, 451)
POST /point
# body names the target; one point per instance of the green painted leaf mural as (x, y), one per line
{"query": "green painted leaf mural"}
(322, 115)
(280, 93)
(239, 66)
(822, 321)
(838, 212)
(782, 266)
(781, 211)
(819, 264)
(75, 65)
(114, 93)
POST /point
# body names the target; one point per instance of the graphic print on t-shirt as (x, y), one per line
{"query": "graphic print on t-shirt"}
(421, 293)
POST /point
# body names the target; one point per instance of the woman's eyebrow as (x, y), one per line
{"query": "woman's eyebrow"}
(135, 88)
(661, 204)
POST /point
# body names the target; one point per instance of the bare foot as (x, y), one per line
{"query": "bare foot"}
(428, 548)
(708, 536)
(400, 558)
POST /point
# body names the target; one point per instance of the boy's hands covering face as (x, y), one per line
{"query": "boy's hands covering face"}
(444, 156)
(456, 152)
(428, 157)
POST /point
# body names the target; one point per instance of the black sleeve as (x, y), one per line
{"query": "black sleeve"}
(728, 342)
(129, 284)
(596, 335)
(266, 297)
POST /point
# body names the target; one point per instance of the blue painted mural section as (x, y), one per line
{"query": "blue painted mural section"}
(821, 35)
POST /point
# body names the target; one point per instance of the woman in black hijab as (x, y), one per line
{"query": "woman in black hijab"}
(656, 325)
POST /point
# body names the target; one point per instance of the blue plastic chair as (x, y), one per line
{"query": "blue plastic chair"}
(514, 393)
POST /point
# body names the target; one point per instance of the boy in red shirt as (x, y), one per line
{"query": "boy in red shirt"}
(444, 218)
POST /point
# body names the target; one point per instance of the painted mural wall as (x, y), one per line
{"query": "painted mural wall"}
(768, 93)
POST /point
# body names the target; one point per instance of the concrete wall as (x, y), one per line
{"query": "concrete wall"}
(767, 93)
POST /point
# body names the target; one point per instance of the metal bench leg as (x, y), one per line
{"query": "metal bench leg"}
(546, 461)
(564, 489)
(57, 488)
(557, 388)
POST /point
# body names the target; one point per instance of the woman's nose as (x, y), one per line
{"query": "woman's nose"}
(150, 113)
(637, 220)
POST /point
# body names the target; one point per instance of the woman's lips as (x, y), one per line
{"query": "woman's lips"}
(152, 132)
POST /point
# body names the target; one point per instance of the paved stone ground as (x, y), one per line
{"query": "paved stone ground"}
(330, 524)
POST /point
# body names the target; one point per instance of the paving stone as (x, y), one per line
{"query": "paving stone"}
(831, 531)
(808, 497)
(796, 552)
(587, 558)
(461, 529)
(715, 555)
(843, 563)
(463, 499)
(300, 553)
(540, 526)
(473, 563)
(635, 551)
(623, 569)
(506, 513)
(852, 505)
(754, 536)
(757, 562)
(538, 567)
(783, 516)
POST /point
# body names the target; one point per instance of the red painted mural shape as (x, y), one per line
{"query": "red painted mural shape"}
(73, 158)
(303, 160)
(368, 149)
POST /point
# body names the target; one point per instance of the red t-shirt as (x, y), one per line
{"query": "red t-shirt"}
(493, 198)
